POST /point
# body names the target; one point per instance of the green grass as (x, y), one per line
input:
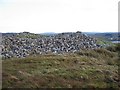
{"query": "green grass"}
(30, 35)
(102, 41)
(86, 69)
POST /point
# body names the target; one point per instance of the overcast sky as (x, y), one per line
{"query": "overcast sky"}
(38, 16)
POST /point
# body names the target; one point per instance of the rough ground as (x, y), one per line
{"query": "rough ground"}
(86, 69)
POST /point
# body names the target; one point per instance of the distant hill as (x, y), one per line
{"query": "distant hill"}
(110, 36)
(8, 34)
(49, 33)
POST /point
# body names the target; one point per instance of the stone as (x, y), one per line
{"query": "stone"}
(15, 46)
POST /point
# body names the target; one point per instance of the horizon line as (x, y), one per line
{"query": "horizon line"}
(62, 32)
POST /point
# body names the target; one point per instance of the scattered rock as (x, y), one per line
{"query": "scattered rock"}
(24, 73)
(14, 77)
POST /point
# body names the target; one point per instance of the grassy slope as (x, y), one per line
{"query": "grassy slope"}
(102, 41)
(30, 35)
(86, 69)
(107, 36)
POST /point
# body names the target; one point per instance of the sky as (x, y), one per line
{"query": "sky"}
(39, 16)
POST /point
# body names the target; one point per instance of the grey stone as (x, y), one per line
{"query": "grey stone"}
(15, 46)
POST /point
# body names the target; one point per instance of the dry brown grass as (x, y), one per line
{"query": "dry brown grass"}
(86, 69)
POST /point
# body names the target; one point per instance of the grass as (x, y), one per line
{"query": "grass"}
(87, 69)
(30, 35)
(102, 41)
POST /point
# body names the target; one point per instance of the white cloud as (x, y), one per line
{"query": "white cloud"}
(58, 15)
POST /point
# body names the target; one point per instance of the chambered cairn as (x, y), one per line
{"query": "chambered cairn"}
(24, 44)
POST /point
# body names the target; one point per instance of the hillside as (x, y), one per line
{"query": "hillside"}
(96, 68)
(110, 36)
(63, 60)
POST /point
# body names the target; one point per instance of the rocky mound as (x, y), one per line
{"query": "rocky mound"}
(25, 44)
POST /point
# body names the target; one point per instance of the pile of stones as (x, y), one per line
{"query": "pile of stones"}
(15, 46)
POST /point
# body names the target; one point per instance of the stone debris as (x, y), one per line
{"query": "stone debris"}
(14, 77)
(24, 44)
(24, 73)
